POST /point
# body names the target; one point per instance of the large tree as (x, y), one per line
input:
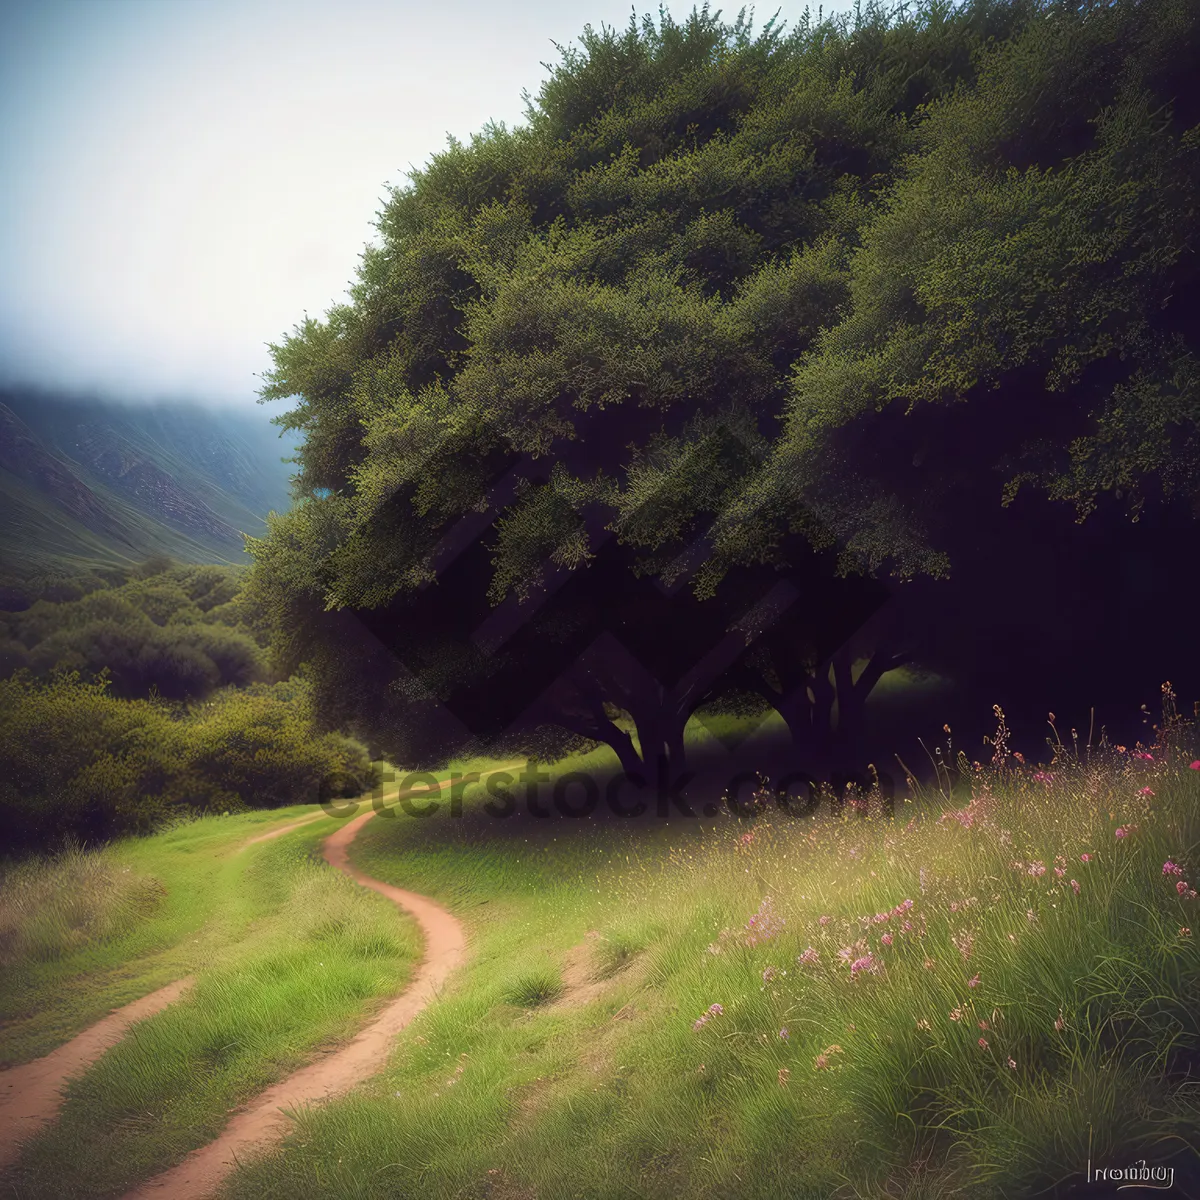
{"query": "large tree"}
(709, 308)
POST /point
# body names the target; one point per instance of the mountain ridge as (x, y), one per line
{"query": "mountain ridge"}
(97, 481)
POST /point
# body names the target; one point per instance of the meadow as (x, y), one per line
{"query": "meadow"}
(979, 995)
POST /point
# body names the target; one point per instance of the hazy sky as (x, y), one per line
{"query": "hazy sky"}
(182, 179)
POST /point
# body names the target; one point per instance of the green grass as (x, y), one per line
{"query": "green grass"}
(886, 1089)
(288, 956)
(564, 1059)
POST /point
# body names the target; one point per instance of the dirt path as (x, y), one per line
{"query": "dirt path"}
(264, 1120)
(31, 1094)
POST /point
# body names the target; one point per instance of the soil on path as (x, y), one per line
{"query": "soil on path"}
(264, 1120)
(31, 1094)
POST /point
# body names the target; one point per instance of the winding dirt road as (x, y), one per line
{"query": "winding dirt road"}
(263, 1121)
(32, 1094)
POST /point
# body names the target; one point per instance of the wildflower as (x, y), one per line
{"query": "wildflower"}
(928, 964)
(715, 1010)
(983, 1025)
(1037, 869)
(1059, 872)
(1085, 858)
(866, 963)
(1123, 832)
(1145, 791)
(1184, 931)
(1059, 1023)
(1012, 1062)
(1075, 886)
(956, 1014)
(907, 926)
(886, 939)
(1030, 915)
(820, 1062)
(699, 1024)
(879, 918)
(1144, 756)
(1170, 868)
(983, 1042)
(771, 974)
(809, 956)
(824, 921)
(1043, 777)
(1196, 765)
(784, 1076)
(922, 1023)
(973, 982)
(1181, 887)
(783, 1034)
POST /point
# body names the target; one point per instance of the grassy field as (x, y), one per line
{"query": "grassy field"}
(288, 956)
(957, 1001)
(954, 1003)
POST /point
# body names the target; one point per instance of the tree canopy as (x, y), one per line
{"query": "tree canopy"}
(731, 297)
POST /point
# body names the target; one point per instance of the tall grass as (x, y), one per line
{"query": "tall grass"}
(52, 906)
(972, 999)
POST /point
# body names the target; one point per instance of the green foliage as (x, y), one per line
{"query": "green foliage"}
(174, 632)
(77, 761)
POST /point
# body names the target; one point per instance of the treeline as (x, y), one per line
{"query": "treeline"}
(141, 696)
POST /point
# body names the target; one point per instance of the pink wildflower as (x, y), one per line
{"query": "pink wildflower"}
(1012, 1062)
(809, 956)
(886, 939)
(1123, 832)
(1181, 887)
(956, 1014)
(1085, 858)
(1037, 869)
(783, 1033)
(1170, 868)
(1145, 791)
(1196, 765)
(984, 1043)
(866, 963)
(973, 982)
(1144, 756)
(820, 1062)
(1075, 886)
(715, 1009)
(824, 921)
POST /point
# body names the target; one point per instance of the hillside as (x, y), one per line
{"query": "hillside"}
(92, 481)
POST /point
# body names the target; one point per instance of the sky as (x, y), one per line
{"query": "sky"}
(182, 180)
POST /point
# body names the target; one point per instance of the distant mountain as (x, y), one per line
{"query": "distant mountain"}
(92, 481)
